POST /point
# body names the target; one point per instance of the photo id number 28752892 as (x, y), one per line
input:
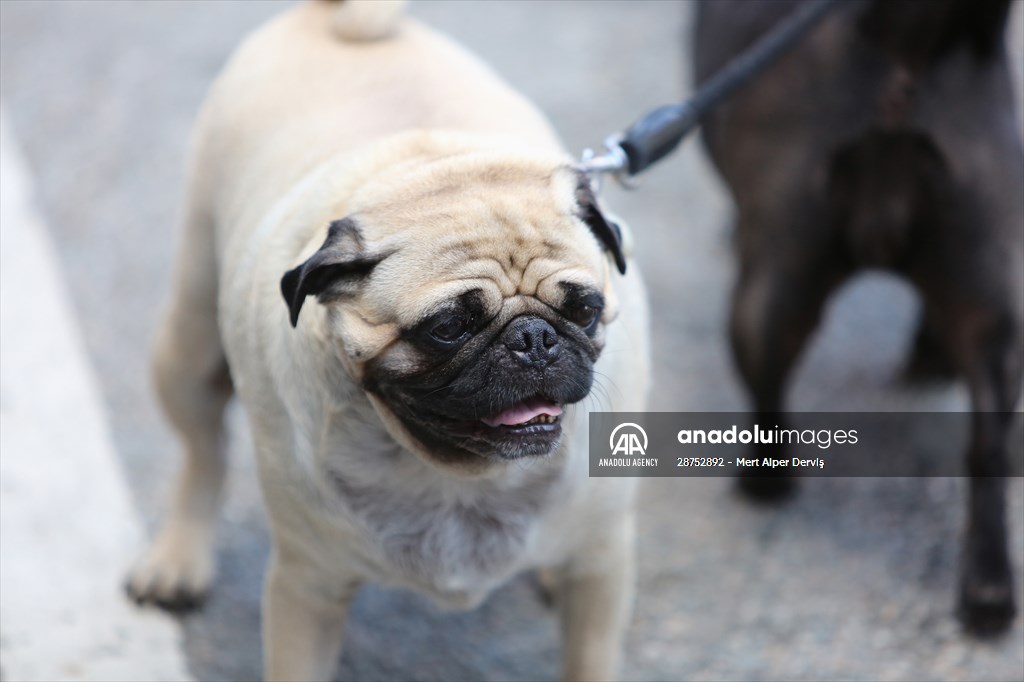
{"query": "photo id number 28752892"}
(700, 462)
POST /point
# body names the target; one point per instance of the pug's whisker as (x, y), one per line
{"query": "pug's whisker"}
(438, 390)
(600, 378)
(598, 400)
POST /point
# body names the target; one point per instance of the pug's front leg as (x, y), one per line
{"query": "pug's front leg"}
(596, 601)
(304, 618)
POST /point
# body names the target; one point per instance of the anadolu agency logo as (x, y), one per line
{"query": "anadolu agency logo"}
(628, 439)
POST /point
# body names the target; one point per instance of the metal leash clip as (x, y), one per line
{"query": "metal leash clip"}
(613, 161)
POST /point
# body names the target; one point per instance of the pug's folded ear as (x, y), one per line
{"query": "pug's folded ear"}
(606, 231)
(335, 270)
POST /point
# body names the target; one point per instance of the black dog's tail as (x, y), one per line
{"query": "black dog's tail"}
(892, 181)
(919, 33)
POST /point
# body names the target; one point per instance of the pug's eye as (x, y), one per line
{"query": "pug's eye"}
(450, 329)
(586, 317)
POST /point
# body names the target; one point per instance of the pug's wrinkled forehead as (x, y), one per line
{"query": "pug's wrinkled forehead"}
(514, 231)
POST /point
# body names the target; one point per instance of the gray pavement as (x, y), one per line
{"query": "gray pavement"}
(852, 579)
(57, 622)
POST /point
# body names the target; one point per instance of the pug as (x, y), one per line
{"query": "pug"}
(414, 292)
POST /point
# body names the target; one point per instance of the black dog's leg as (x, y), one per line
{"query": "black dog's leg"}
(776, 305)
(994, 374)
(929, 358)
(963, 252)
(970, 281)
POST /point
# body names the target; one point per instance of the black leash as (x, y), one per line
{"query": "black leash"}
(659, 132)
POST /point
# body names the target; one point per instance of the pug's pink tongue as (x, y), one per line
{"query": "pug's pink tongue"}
(522, 412)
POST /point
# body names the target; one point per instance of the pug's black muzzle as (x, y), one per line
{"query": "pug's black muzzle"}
(528, 369)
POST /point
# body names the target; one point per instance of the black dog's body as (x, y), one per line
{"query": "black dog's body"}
(888, 139)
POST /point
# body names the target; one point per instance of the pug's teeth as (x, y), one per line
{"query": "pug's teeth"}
(540, 419)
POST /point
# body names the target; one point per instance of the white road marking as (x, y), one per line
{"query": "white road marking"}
(68, 529)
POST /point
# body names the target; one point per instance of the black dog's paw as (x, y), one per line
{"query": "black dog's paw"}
(986, 607)
(767, 488)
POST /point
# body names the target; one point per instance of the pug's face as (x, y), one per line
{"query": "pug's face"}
(468, 297)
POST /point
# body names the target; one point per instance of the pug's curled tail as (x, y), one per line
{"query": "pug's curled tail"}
(366, 20)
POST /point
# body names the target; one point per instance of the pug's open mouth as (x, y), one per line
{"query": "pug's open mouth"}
(526, 428)
(537, 411)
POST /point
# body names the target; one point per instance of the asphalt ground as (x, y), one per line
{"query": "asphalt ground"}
(61, 617)
(851, 579)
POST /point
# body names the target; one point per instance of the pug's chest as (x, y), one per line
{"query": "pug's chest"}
(455, 551)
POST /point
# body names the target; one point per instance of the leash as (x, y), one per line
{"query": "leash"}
(659, 132)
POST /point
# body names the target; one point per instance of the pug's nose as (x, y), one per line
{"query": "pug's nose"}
(532, 341)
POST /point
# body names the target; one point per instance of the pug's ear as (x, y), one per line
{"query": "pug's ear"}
(606, 231)
(336, 269)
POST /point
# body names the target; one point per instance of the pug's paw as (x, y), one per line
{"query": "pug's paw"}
(174, 574)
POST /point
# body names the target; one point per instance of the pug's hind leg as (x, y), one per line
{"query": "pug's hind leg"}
(596, 601)
(194, 385)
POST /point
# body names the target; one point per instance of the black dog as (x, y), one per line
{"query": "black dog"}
(887, 139)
